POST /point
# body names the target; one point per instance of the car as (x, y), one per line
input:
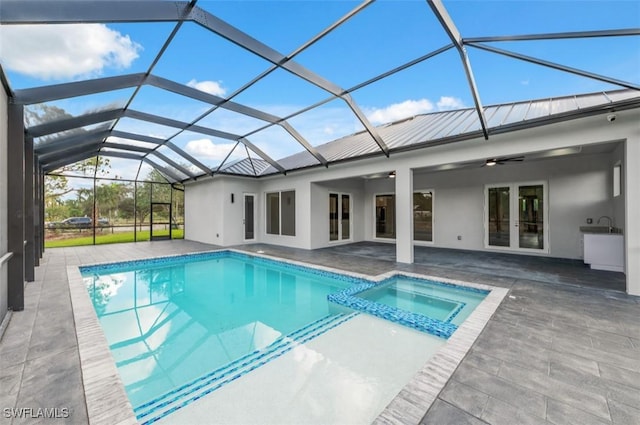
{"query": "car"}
(103, 222)
(76, 222)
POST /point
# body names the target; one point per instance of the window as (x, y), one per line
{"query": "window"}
(617, 179)
(423, 216)
(273, 213)
(281, 213)
(345, 218)
(288, 211)
(386, 216)
(339, 216)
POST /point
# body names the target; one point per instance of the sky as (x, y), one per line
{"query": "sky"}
(385, 35)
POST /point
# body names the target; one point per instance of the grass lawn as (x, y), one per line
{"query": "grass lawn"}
(110, 238)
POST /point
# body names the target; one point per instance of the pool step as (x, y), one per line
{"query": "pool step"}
(171, 401)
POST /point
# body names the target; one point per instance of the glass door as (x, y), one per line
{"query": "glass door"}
(499, 216)
(530, 224)
(516, 216)
(248, 218)
(339, 216)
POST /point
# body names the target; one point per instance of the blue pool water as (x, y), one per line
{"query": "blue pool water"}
(172, 322)
(182, 327)
(447, 303)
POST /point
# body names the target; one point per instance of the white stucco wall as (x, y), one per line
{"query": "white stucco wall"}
(632, 208)
(203, 212)
(579, 188)
(3, 201)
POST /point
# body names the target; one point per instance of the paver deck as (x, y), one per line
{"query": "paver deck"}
(563, 347)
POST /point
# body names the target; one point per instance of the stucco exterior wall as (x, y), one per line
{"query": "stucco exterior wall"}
(579, 187)
(631, 188)
(203, 212)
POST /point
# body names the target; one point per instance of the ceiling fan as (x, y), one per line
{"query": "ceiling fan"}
(501, 161)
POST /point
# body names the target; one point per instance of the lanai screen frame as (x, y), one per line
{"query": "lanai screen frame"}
(66, 150)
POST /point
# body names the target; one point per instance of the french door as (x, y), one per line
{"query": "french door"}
(516, 217)
(339, 216)
(249, 217)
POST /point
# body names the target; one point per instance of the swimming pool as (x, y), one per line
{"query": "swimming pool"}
(180, 328)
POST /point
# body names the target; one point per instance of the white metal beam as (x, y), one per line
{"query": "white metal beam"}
(452, 31)
(557, 66)
(73, 11)
(555, 36)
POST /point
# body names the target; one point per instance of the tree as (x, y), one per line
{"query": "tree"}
(151, 191)
(56, 187)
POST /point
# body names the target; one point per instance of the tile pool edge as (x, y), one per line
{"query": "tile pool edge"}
(105, 397)
(417, 396)
(408, 407)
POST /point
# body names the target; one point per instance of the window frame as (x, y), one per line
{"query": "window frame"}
(433, 219)
(280, 204)
(375, 236)
(617, 179)
(339, 212)
(375, 217)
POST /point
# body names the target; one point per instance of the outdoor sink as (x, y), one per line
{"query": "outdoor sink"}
(601, 229)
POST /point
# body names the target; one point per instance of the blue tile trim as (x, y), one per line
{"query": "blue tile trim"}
(204, 256)
(240, 362)
(403, 317)
(194, 390)
(437, 283)
(444, 329)
(211, 385)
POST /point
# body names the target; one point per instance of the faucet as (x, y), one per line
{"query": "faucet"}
(610, 222)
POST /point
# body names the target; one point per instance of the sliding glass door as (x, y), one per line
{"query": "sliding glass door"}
(516, 216)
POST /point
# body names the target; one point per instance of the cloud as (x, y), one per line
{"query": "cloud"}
(212, 87)
(525, 82)
(449, 102)
(398, 111)
(65, 51)
(205, 149)
(410, 108)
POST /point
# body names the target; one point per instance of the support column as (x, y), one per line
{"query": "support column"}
(632, 213)
(42, 229)
(404, 215)
(15, 210)
(37, 204)
(29, 235)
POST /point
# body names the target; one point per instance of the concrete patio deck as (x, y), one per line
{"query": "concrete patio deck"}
(563, 348)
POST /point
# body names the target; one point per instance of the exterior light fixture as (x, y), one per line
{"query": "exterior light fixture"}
(491, 162)
(392, 175)
(232, 198)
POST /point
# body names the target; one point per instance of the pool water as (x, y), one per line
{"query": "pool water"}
(182, 327)
(431, 306)
(446, 303)
(169, 324)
